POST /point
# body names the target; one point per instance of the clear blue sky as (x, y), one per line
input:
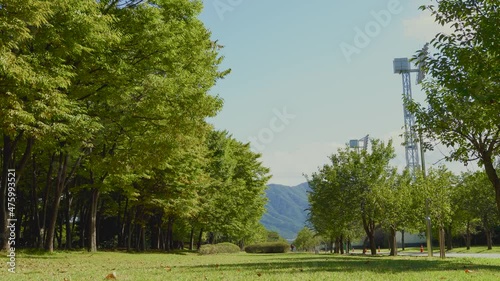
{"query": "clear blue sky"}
(307, 60)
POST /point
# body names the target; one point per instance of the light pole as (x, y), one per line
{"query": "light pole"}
(402, 66)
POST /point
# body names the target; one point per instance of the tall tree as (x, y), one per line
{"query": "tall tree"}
(463, 84)
(42, 41)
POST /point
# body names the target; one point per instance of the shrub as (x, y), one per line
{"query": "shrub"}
(220, 248)
(268, 247)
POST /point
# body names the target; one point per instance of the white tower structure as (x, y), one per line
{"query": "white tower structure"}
(402, 66)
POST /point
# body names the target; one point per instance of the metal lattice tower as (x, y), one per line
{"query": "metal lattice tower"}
(402, 66)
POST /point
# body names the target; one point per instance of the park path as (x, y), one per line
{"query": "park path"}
(452, 255)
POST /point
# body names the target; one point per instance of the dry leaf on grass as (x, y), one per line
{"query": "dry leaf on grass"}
(111, 276)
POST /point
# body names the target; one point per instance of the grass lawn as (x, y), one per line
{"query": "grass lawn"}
(62, 266)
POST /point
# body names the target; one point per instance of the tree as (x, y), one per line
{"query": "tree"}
(395, 199)
(42, 41)
(307, 240)
(437, 187)
(352, 177)
(234, 200)
(479, 203)
(463, 84)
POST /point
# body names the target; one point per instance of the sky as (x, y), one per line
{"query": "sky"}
(308, 76)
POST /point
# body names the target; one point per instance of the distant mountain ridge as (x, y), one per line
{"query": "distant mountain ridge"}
(286, 209)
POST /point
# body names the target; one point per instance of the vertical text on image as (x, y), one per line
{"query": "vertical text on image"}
(11, 220)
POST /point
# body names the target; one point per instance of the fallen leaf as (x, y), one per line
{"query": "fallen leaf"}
(168, 268)
(111, 276)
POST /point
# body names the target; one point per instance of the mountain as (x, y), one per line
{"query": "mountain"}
(286, 209)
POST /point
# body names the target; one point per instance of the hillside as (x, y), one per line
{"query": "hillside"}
(286, 209)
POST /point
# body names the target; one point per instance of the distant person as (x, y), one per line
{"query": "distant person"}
(292, 247)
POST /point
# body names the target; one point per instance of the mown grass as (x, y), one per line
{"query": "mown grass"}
(62, 266)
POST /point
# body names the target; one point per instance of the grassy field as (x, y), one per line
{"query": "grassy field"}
(63, 266)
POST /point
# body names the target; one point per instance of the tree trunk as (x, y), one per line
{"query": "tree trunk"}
(200, 236)
(331, 244)
(489, 238)
(369, 227)
(122, 235)
(143, 241)
(341, 244)
(84, 217)
(34, 206)
(69, 244)
(442, 243)
(129, 235)
(394, 243)
(449, 237)
(49, 241)
(468, 236)
(492, 175)
(93, 220)
(48, 184)
(170, 233)
(9, 167)
(6, 165)
(191, 239)
(60, 229)
(337, 246)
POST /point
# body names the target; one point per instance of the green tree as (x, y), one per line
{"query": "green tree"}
(41, 45)
(479, 203)
(353, 177)
(234, 201)
(394, 197)
(437, 187)
(306, 240)
(462, 85)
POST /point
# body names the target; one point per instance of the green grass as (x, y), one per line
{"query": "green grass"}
(291, 266)
(478, 250)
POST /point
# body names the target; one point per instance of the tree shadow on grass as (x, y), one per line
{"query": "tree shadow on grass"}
(344, 264)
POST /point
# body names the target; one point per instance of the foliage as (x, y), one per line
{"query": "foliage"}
(462, 85)
(273, 236)
(344, 194)
(268, 248)
(104, 116)
(306, 240)
(220, 248)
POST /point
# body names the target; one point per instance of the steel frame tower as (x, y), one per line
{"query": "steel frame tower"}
(402, 66)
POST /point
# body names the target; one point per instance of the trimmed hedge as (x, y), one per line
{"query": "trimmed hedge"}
(268, 247)
(210, 249)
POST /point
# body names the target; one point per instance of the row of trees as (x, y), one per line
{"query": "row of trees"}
(359, 192)
(103, 118)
